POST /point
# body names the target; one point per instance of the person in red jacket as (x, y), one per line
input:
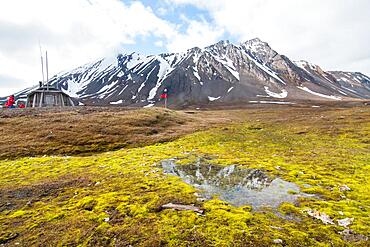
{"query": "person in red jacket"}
(10, 103)
(21, 105)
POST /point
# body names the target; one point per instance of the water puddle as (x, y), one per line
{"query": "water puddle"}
(235, 185)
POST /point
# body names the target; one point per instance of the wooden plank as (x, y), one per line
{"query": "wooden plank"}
(181, 207)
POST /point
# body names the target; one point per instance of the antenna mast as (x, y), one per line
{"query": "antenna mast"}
(47, 70)
(42, 65)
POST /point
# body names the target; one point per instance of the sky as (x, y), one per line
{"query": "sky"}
(332, 33)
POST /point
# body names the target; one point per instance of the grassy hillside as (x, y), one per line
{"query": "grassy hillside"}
(114, 198)
(86, 130)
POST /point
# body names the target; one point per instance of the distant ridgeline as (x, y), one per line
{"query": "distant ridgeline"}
(221, 73)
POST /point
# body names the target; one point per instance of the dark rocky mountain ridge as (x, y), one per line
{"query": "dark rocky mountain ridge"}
(222, 73)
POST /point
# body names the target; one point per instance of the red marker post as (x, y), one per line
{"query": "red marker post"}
(164, 96)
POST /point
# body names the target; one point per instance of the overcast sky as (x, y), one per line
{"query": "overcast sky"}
(334, 34)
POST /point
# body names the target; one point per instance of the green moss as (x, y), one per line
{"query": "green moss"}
(19, 213)
(5, 237)
(87, 203)
(289, 209)
(292, 192)
(115, 198)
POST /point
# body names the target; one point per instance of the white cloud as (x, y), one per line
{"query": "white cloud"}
(159, 43)
(162, 11)
(332, 33)
(198, 33)
(73, 31)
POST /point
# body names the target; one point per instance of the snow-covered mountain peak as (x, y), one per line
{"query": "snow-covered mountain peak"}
(255, 41)
(129, 60)
(304, 65)
(194, 50)
(256, 45)
(220, 47)
(260, 50)
(222, 72)
(311, 68)
(222, 43)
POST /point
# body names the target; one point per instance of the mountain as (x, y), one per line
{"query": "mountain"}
(222, 73)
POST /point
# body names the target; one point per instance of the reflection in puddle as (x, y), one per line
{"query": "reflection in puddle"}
(235, 185)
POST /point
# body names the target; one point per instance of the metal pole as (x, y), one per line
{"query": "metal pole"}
(42, 70)
(42, 65)
(165, 99)
(47, 71)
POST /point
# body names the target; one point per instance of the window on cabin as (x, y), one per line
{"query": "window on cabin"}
(49, 100)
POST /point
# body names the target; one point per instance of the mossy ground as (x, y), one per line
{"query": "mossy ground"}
(115, 198)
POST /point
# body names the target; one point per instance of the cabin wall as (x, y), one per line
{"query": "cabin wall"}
(48, 99)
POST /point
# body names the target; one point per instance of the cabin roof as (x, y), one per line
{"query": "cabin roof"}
(44, 89)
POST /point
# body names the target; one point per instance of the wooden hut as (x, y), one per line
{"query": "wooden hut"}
(47, 96)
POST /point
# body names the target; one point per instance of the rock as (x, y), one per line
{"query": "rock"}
(201, 199)
(307, 185)
(320, 216)
(352, 236)
(276, 228)
(277, 241)
(345, 222)
(344, 188)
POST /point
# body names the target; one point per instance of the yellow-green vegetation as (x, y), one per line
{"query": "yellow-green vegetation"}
(115, 198)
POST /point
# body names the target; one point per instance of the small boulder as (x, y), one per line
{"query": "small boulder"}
(320, 216)
(352, 236)
(345, 222)
(344, 188)
(277, 241)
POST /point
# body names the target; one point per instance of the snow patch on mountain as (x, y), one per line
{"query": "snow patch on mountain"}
(265, 68)
(271, 102)
(304, 65)
(149, 105)
(281, 95)
(320, 94)
(213, 98)
(116, 102)
(164, 69)
(134, 60)
(229, 65)
(72, 90)
(195, 67)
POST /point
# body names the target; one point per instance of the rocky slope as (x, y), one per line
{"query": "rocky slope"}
(220, 73)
